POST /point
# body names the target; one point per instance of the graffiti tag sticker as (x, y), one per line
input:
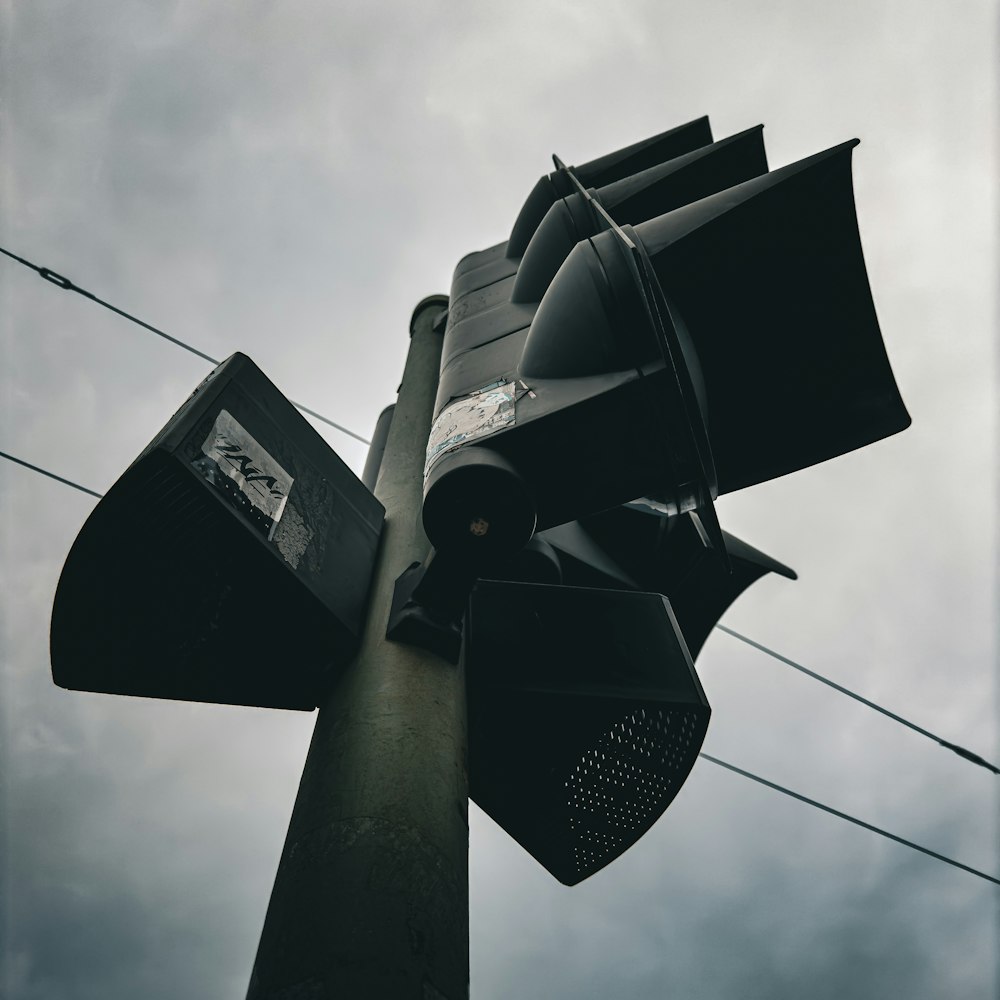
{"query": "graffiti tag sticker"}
(238, 465)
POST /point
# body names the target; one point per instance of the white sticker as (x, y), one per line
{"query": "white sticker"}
(292, 536)
(477, 415)
(255, 474)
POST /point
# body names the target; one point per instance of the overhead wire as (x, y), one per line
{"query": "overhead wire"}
(51, 475)
(851, 819)
(961, 751)
(968, 755)
(62, 282)
(65, 283)
(715, 760)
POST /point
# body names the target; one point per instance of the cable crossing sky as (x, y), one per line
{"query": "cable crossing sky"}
(968, 755)
(62, 282)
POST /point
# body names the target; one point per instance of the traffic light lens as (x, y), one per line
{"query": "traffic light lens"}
(477, 505)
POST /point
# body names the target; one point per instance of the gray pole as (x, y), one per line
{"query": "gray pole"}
(371, 898)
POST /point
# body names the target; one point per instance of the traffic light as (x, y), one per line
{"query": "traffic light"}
(664, 325)
(642, 344)
(724, 343)
(500, 261)
(585, 710)
(631, 199)
(230, 563)
(638, 547)
(585, 717)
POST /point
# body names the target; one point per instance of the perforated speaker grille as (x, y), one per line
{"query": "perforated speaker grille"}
(621, 786)
(585, 717)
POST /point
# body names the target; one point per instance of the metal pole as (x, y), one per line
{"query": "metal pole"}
(371, 898)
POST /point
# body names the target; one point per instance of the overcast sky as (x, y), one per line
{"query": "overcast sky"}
(289, 180)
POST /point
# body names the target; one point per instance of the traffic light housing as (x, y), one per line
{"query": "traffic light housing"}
(501, 260)
(522, 281)
(585, 717)
(727, 342)
(638, 547)
(608, 372)
(585, 709)
(230, 563)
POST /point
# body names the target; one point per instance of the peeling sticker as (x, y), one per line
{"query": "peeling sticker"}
(292, 536)
(234, 462)
(477, 415)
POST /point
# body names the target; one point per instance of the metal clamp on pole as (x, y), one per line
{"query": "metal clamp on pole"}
(428, 604)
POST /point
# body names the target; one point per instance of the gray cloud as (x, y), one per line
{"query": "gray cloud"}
(289, 180)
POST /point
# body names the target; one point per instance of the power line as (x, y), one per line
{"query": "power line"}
(51, 475)
(715, 760)
(61, 282)
(850, 819)
(961, 751)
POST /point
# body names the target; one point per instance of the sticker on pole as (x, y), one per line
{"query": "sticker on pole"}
(238, 466)
(478, 415)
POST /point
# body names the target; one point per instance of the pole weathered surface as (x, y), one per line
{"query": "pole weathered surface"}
(371, 895)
